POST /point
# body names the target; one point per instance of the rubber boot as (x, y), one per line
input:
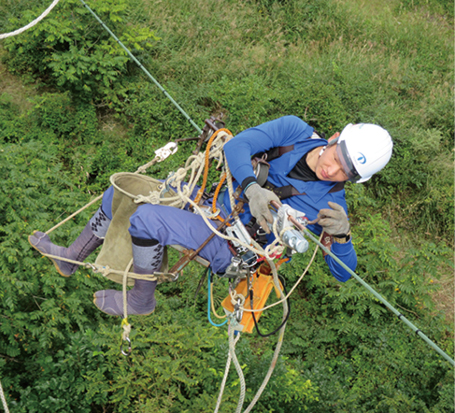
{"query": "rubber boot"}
(90, 238)
(141, 298)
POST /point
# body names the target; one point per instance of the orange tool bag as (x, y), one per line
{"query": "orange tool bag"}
(261, 285)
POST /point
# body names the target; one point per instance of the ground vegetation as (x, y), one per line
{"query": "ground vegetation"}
(74, 109)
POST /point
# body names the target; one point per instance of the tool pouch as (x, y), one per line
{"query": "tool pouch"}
(261, 286)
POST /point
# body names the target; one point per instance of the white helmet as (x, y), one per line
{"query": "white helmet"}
(363, 150)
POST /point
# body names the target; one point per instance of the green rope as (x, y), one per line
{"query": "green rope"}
(143, 68)
(380, 298)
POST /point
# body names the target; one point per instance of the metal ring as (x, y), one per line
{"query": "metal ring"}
(238, 311)
(127, 354)
(239, 316)
(91, 266)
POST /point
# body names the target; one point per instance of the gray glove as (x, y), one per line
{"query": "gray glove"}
(259, 199)
(334, 221)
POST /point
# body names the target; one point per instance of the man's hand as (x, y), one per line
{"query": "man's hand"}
(259, 199)
(334, 221)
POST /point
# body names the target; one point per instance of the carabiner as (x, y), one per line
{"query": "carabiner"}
(126, 354)
(167, 150)
(238, 312)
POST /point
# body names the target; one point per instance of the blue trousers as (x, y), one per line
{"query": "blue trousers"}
(174, 226)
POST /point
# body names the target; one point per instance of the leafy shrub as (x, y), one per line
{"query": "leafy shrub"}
(327, 62)
(41, 310)
(72, 51)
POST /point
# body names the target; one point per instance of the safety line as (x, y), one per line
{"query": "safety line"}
(31, 24)
(378, 296)
(226, 372)
(143, 68)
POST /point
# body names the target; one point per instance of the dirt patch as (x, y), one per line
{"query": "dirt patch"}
(444, 299)
(13, 87)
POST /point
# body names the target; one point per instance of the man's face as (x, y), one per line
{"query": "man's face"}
(328, 166)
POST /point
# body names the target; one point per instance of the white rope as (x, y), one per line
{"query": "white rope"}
(153, 198)
(37, 20)
(232, 356)
(226, 372)
(230, 185)
(5, 405)
(279, 342)
(238, 369)
(105, 270)
(125, 297)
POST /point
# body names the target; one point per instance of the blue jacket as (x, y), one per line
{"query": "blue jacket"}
(290, 130)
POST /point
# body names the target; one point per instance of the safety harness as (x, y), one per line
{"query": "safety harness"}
(261, 167)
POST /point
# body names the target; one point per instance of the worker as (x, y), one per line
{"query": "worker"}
(305, 171)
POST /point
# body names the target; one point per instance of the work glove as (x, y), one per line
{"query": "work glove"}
(334, 221)
(259, 199)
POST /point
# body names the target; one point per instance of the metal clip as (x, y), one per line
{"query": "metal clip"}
(167, 150)
(238, 311)
(236, 270)
(126, 354)
(207, 211)
(237, 230)
(91, 266)
(166, 188)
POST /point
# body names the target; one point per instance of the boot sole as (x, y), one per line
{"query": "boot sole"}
(55, 264)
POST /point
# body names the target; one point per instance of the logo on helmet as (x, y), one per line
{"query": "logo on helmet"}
(361, 158)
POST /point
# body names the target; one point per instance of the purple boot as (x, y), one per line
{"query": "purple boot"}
(147, 259)
(90, 238)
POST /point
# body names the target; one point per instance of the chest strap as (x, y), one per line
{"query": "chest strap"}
(287, 191)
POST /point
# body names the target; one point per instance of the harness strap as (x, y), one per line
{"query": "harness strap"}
(278, 151)
(287, 191)
(274, 153)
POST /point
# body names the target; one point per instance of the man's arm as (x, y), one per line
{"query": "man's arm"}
(279, 132)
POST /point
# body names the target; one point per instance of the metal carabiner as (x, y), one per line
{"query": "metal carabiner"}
(238, 312)
(126, 354)
(167, 150)
(91, 266)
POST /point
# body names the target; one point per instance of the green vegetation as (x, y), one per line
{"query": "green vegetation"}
(74, 110)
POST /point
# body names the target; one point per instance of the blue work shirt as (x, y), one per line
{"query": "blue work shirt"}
(284, 131)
